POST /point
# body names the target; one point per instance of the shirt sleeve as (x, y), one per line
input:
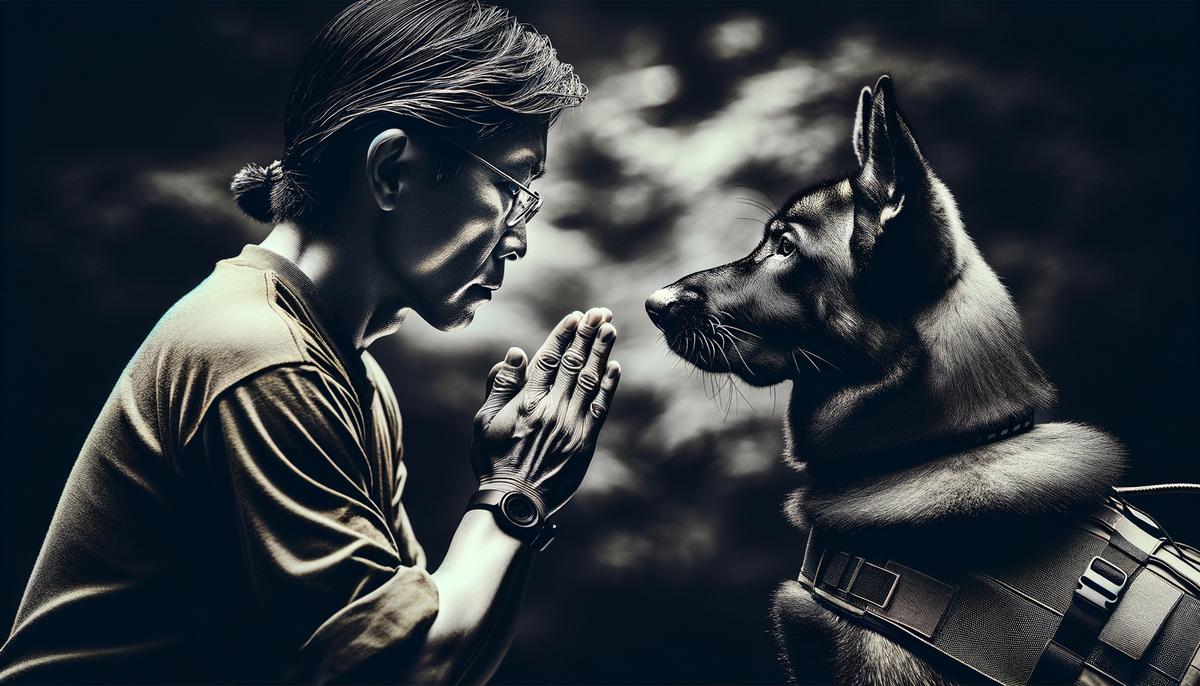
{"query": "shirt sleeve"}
(405, 536)
(322, 559)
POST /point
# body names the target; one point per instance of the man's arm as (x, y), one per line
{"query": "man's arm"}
(480, 584)
(324, 562)
(326, 571)
(563, 404)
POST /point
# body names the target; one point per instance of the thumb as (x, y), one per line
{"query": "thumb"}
(504, 381)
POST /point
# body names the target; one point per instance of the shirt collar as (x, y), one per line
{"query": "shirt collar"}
(331, 326)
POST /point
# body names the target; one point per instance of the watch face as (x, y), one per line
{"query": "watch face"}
(519, 509)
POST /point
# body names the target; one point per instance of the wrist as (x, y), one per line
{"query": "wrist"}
(505, 483)
(515, 513)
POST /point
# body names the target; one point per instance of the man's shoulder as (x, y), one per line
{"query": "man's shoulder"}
(229, 324)
(225, 330)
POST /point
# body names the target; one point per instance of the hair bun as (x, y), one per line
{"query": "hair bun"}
(251, 189)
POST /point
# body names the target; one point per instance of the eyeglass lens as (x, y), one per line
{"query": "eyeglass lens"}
(525, 205)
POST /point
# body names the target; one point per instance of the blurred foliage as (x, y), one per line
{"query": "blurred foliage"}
(1066, 132)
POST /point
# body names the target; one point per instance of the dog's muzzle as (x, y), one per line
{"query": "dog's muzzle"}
(672, 306)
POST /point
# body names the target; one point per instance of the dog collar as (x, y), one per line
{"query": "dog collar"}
(1005, 428)
(924, 450)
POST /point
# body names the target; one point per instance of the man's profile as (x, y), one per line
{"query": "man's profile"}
(235, 513)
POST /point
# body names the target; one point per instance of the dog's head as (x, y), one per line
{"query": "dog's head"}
(840, 273)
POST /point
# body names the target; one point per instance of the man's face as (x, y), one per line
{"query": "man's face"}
(447, 242)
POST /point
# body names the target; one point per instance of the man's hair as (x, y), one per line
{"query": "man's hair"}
(446, 70)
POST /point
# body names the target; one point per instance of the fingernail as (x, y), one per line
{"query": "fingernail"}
(514, 358)
(607, 332)
(614, 370)
(594, 317)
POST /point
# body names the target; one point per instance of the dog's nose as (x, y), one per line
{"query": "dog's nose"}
(668, 304)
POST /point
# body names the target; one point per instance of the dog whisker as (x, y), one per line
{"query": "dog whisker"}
(738, 350)
(743, 331)
(810, 359)
(735, 336)
(824, 360)
(758, 204)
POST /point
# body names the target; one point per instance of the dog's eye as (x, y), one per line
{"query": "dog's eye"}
(786, 246)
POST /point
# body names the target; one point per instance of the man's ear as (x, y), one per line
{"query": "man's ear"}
(892, 163)
(861, 114)
(387, 163)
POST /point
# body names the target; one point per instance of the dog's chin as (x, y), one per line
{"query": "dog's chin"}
(746, 361)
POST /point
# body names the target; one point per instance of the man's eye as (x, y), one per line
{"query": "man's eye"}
(785, 247)
(513, 189)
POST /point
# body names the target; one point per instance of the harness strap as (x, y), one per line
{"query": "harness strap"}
(1126, 618)
(1100, 587)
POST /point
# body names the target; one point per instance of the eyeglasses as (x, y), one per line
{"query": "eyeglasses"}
(526, 202)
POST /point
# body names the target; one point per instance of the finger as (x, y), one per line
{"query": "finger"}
(491, 379)
(598, 409)
(544, 366)
(508, 378)
(576, 356)
(589, 378)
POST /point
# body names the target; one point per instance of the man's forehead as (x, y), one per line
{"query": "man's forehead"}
(525, 151)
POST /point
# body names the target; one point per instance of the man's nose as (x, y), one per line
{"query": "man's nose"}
(514, 243)
(667, 306)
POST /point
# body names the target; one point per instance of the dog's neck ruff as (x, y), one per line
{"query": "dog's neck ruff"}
(1040, 469)
(928, 450)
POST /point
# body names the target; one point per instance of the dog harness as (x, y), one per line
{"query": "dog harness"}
(1117, 603)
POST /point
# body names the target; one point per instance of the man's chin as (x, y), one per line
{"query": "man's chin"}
(457, 318)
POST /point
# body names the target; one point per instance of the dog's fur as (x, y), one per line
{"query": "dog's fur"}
(867, 293)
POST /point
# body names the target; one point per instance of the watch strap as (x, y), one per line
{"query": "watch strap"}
(509, 510)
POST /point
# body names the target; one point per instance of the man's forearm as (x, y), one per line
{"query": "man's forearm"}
(483, 569)
(495, 644)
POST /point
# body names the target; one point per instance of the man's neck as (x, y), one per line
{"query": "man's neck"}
(344, 281)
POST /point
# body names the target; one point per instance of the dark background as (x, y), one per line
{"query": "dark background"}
(1066, 131)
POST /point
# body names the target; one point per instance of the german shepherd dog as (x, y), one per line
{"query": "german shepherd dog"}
(868, 295)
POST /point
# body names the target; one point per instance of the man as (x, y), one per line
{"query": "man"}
(235, 513)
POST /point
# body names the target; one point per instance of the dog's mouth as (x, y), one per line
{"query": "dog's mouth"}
(708, 339)
(714, 345)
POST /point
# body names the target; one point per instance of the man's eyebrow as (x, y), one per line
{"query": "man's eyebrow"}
(528, 166)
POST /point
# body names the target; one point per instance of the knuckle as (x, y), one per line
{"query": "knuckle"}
(530, 403)
(588, 381)
(572, 361)
(480, 423)
(548, 361)
(598, 409)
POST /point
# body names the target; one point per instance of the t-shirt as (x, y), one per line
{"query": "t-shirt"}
(234, 514)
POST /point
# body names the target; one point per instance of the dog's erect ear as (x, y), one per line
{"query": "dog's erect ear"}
(906, 251)
(892, 164)
(861, 120)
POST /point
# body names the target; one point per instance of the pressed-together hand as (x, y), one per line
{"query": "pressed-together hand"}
(537, 429)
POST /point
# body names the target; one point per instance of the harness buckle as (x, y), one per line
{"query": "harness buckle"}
(1098, 584)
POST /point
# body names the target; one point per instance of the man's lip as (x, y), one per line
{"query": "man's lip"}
(491, 287)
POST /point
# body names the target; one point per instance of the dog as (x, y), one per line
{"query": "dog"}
(901, 344)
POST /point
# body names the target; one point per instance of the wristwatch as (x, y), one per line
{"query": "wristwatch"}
(517, 515)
